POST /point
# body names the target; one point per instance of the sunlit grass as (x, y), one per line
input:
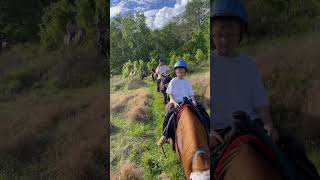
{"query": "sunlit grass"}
(136, 141)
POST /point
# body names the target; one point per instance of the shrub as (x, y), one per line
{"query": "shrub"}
(200, 56)
(126, 68)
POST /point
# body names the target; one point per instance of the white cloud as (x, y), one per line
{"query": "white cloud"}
(150, 17)
(155, 18)
(146, 1)
(115, 10)
(159, 18)
(143, 3)
(138, 9)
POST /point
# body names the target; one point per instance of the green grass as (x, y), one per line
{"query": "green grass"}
(313, 152)
(314, 156)
(136, 142)
(171, 166)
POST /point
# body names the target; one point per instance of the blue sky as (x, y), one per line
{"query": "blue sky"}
(158, 12)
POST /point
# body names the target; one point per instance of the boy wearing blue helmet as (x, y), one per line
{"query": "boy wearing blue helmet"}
(179, 87)
(235, 80)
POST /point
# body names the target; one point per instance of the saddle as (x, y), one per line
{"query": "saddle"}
(244, 129)
(173, 115)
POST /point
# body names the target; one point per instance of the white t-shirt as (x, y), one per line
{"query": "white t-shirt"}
(236, 84)
(180, 88)
(161, 70)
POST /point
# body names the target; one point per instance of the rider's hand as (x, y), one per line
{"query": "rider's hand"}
(176, 105)
(194, 103)
(215, 139)
(272, 132)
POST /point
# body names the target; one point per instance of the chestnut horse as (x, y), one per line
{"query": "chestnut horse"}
(244, 163)
(249, 153)
(191, 142)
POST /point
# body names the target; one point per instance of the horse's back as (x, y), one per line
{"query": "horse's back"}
(246, 163)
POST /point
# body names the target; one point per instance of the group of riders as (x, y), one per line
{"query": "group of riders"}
(239, 110)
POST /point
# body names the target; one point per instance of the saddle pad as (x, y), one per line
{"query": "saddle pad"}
(181, 109)
(248, 138)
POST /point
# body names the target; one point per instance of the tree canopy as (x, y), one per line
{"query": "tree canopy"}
(45, 20)
(185, 36)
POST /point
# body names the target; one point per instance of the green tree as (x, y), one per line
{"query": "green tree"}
(129, 40)
(119, 49)
(155, 55)
(136, 66)
(19, 19)
(197, 13)
(126, 68)
(132, 39)
(52, 28)
(152, 64)
(200, 56)
(85, 13)
(166, 39)
(197, 41)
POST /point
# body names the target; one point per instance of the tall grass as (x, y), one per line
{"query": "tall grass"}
(58, 136)
(201, 86)
(53, 114)
(290, 69)
(28, 67)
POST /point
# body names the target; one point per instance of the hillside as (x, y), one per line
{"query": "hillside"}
(53, 109)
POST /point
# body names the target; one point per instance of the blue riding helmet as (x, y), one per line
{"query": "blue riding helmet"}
(229, 8)
(180, 64)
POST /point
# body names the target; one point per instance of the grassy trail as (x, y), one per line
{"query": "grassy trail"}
(171, 166)
(134, 143)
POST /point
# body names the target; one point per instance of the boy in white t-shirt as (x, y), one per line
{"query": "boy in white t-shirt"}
(235, 80)
(179, 87)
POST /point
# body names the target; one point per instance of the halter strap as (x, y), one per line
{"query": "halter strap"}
(199, 151)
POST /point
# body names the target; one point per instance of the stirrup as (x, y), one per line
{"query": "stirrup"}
(163, 140)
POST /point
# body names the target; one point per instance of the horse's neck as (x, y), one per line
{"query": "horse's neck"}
(190, 138)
